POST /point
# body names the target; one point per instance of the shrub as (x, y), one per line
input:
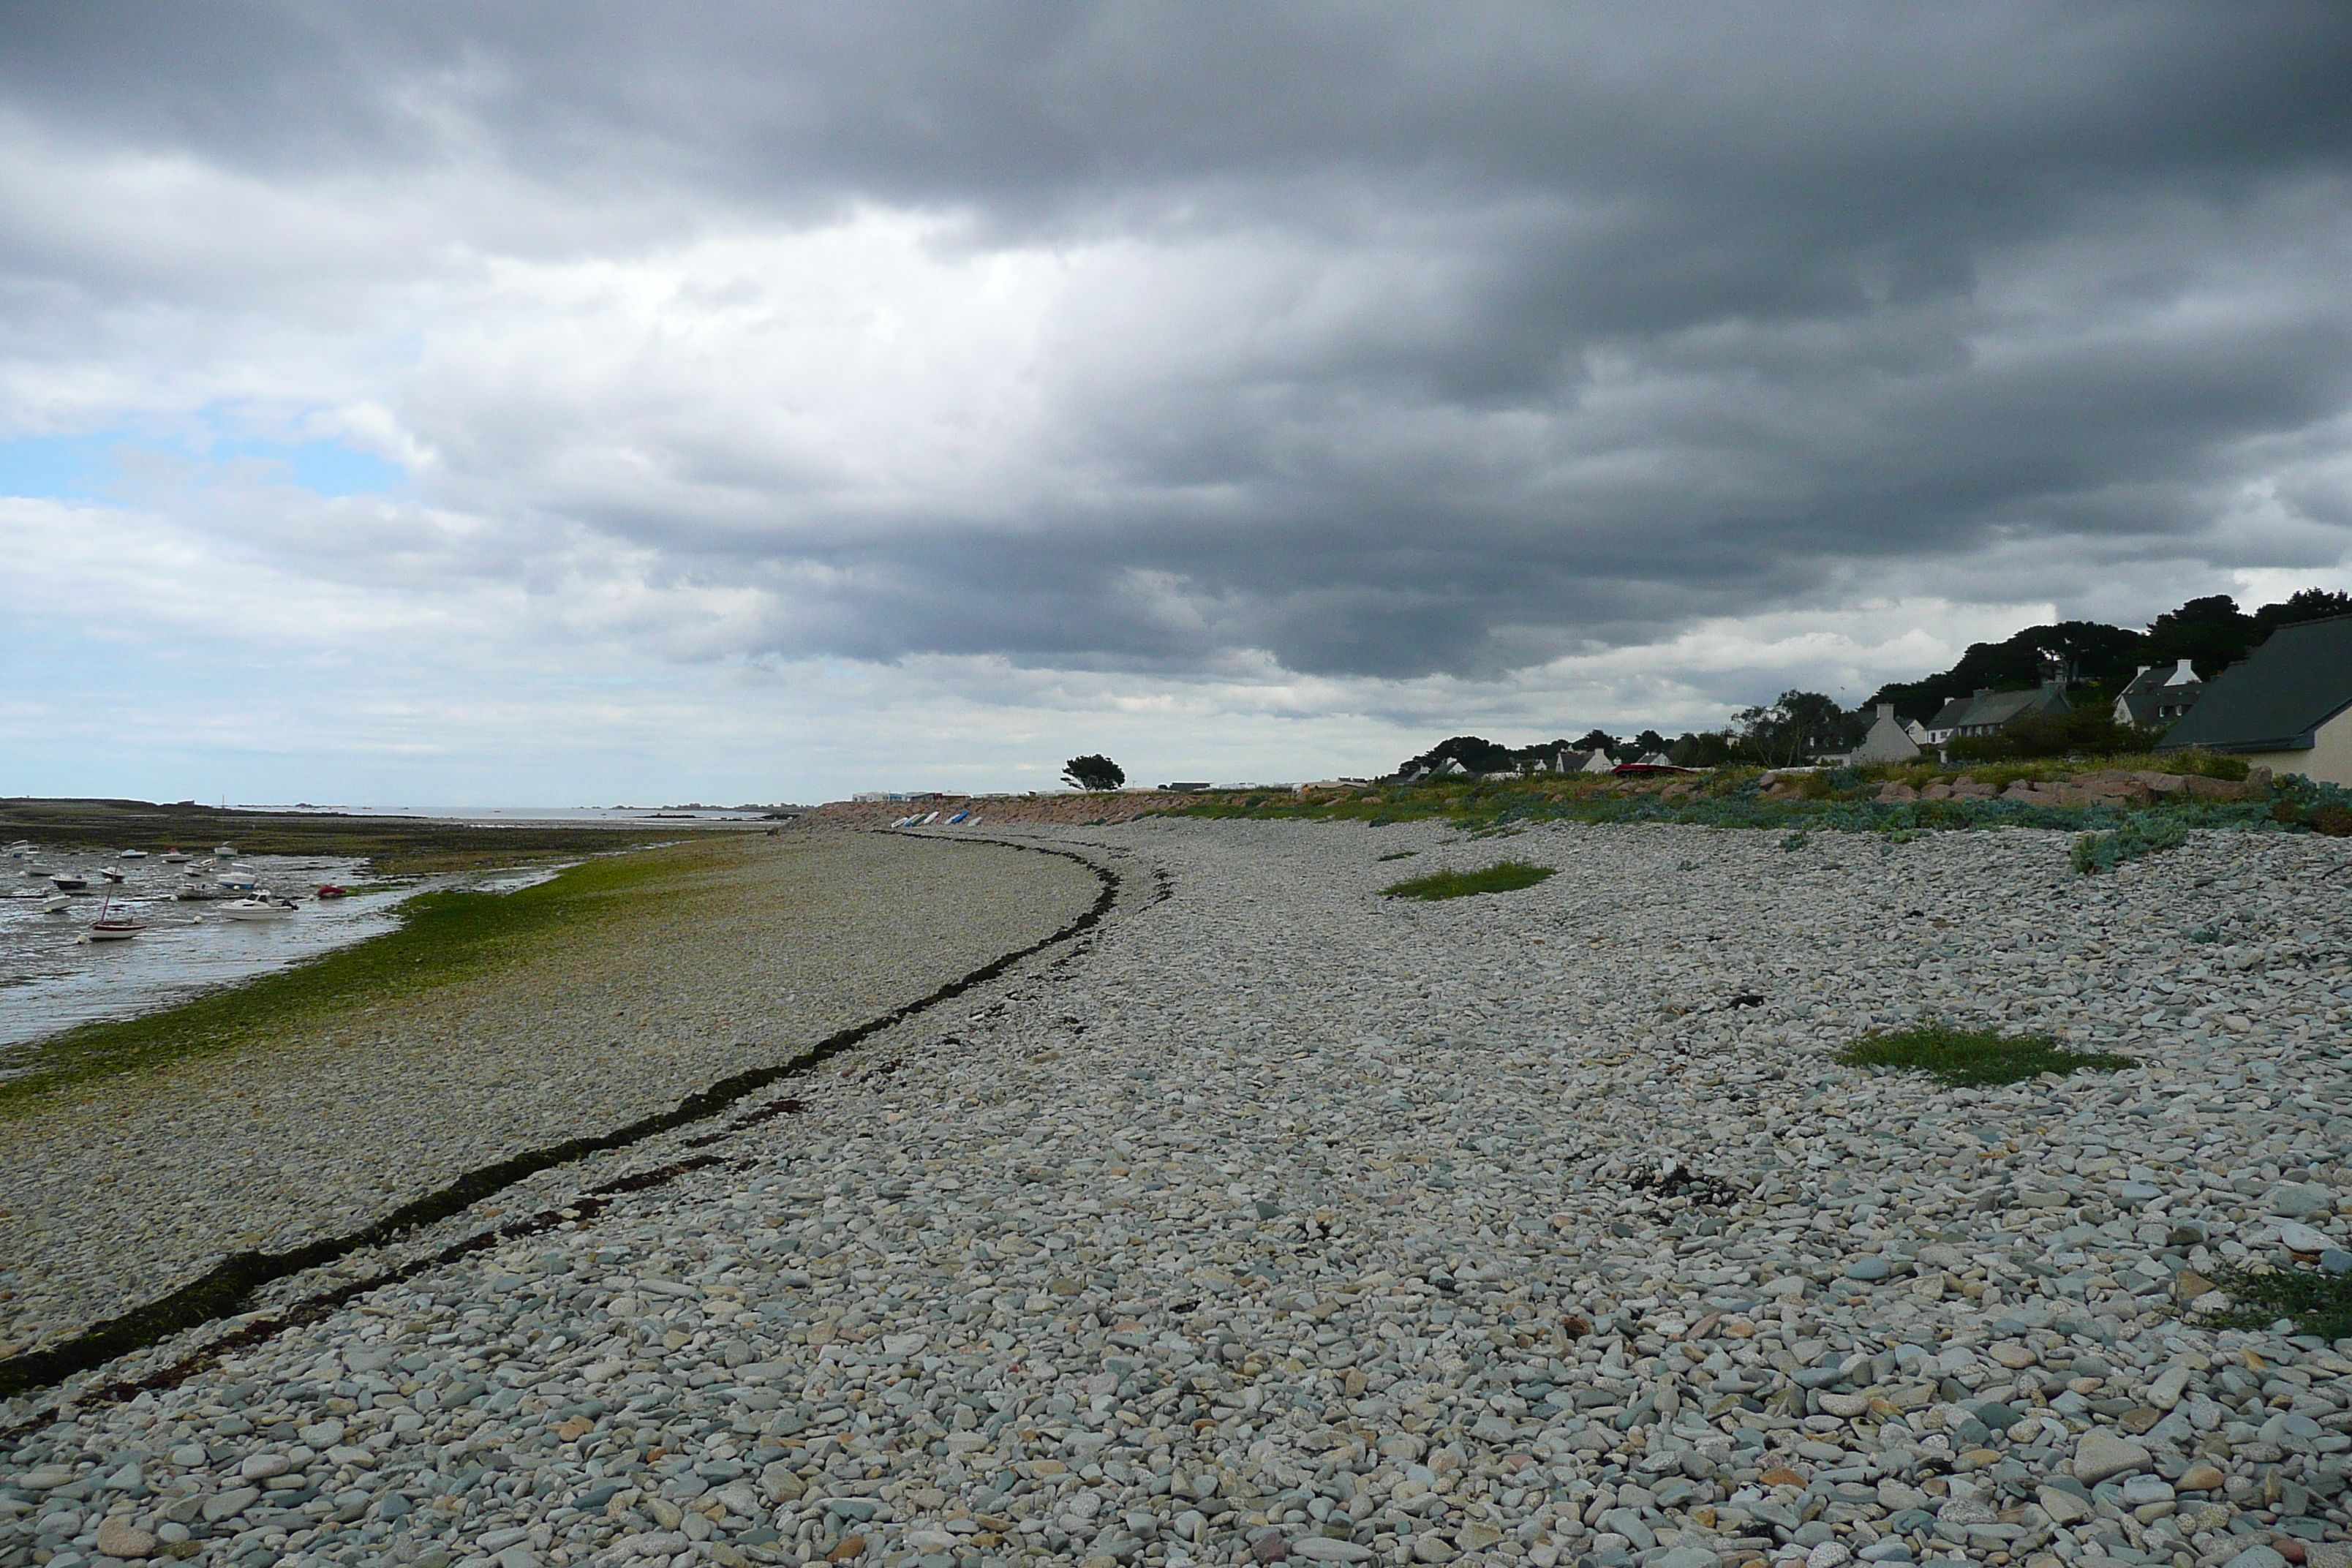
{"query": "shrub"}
(2315, 1301)
(1503, 877)
(1967, 1058)
(2095, 852)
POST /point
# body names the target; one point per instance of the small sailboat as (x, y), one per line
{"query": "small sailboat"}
(67, 882)
(111, 927)
(225, 852)
(132, 854)
(260, 907)
(239, 879)
(175, 854)
(109, 874)
(56, 904)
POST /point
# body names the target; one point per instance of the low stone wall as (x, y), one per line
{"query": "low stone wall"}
(1070, 810)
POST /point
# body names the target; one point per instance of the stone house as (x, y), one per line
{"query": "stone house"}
(1987, 711)
(2286, 706)
(1888, 740)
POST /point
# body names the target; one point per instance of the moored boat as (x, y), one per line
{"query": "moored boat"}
(111, 875)
(259, 908)
(225, 852)
(132, 854)
(111, 927)
(67, 882)
(56, 904)
(332, 891)
(175, 856)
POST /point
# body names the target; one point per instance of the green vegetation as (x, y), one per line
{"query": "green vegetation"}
(393, 845)
(445, 937)
(2314, 1301)
(1842, 800)
(1503, 877)
(2095, 852)
(1970, 1058)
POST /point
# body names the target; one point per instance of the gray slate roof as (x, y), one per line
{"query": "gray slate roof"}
(2155, 689)
(2273, 699)
(2004, 706)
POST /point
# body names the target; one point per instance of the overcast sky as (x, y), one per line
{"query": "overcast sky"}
(564, 404)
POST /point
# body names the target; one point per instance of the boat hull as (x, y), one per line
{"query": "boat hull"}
(245, 911)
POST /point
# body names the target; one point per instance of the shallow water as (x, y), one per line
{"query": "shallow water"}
(51, 979)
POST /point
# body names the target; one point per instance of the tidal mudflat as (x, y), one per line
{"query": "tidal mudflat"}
(1270, 1220)
(629, 984)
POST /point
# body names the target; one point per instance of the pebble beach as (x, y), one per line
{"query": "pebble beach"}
(1270, 1220)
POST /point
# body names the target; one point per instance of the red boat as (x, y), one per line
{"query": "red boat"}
(332, 891)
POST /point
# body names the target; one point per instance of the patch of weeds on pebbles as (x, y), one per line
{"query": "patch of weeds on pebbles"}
(1401, 855)
(2314, 1301)
(1974, 1058)
(1670, 1178)
(2096, 852)
(1503, 877)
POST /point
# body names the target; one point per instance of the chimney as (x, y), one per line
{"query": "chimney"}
(1886, 710)
(1983, 693)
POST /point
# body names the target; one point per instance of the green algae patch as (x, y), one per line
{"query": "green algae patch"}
(1974, 1058)
(1503, 877)
(443, 937)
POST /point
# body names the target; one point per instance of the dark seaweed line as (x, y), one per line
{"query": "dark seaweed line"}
(219, 1292)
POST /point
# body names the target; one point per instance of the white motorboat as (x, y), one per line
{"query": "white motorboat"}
(239, 879)
(132, 854)
(258, 907)
(175, 856)
(109, 874)
(56, 904)
(225, 852)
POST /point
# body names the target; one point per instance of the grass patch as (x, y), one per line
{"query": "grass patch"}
(444, 937)
(1503, 877)
(1972, 1059)
(2139, 836)
(2314, 1301)
(1401, 855)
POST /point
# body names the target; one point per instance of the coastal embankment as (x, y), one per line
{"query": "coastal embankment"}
(1275, 1220)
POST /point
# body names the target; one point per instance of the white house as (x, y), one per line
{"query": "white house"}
(1888, 742)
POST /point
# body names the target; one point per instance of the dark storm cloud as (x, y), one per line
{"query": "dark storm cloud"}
(1660, 311)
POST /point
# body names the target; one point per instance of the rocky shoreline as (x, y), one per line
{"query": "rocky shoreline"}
(1273, 1221)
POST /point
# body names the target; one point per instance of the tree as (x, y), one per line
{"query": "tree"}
(1093, 772)
(1475, 753)
(1705, 749)
(2310, 604)
(1795, 727)
(2211, 633)
(1647, 741)
(1598, 740)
